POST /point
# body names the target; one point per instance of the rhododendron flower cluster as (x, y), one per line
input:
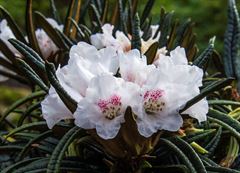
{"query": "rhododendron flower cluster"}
(106, 78)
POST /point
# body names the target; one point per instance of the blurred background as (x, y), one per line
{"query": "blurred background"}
(209, 16)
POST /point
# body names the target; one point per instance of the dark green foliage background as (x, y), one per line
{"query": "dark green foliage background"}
(208, 15)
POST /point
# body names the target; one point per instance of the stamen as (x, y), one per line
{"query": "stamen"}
(111, 107)
(154, 101)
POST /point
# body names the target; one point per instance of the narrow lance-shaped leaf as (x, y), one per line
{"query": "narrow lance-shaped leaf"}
(231, 124)
(70, 12)
(231, 39)
(151, 53)
(7, 52)
(179, 153)
(76, 18)
(136, 38)
(58, 153)
(29, 53)
(190, 153)
(20, 102)
(212, 144)
(32, 75)
(18, 78)
(54, 10)
(211, 88)
(203, 58)
(165, 25)
(95, 17)
(30, 27)
(147, 9)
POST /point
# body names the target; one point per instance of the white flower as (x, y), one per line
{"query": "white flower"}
(133, 67)
(5, 34)
(104, 105)
(121, 41)
(46, 45)
(85, 62)
(166, 91)
(105, 39)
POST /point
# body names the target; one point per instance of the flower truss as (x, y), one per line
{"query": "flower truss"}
(107, 77)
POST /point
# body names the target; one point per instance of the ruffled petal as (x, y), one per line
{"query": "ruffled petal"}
(103, 108)
(97, 40)
(171, 122)
(178, 56)
(133, 67)
(199, 110)
(53, 109)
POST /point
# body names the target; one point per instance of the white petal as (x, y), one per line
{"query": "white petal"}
(123, 41)
(97, 40)
(46, 45)
(109, 60)
(89, 115)
(178, 56)
(55, 24)
(86, 62)
(199, 110)
(171, 122)
(133, 67)
(53, 109)
(107, 29)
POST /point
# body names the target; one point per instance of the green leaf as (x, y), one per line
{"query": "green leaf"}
(190, 153)
(165, 26)
(179, 153)
(170, 169)
(199, 136)
(18, 78)
(147, 9)
(42, 126)
(20, 102)
(203, 58)
(226, 121)
(30, 27)
(7, 52)
(30, 109)
(221, 170)
(33, 59)
(54, 10)
(10, 148)
(231, 39)
(209, 89)
(30, 73)
(17, 165)
(223, 102)
(59, 151)
(67, 24)
(95, 16)
(212, 145)
(136, 38)
(27, 147)
(38, 166)
(151, 53)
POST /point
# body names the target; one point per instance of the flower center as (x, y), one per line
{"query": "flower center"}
(154, 101)
(111, 107)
